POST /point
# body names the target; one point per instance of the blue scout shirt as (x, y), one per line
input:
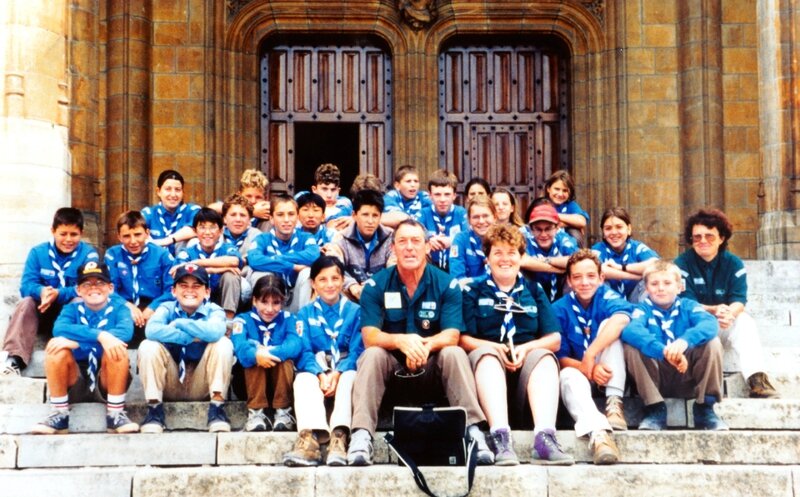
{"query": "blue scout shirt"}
(467, 259)
(450, 224)
(575, 319)
(721, 281)
(686, 319)
(342, 208)
(562, 245)
(271, 254)
(243, 241)
(634, 251)
(162, 223)
(484, 321)
(151, 280)
(46, 266)
(435, 306)
(571, 207)
(175, 329)
(343, 320)
(393, 201)
(279, 335)
(221, 249)
(78, 322)
(323, 235)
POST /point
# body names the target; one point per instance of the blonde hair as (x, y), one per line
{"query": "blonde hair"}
(253, 178)
(662, 266)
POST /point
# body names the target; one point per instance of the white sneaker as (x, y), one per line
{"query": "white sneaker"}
(360, 451)
(257, 421)
(284, 421)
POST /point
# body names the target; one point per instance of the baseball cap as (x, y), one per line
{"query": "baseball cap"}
(544, 212)
(193, 270)
(93, 269)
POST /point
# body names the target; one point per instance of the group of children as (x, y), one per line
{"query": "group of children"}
(274, 285)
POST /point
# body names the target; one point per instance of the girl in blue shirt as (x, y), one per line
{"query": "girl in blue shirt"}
(170, 220)
(624, 259)
(266, 343)
(331, 334)
(560, 189)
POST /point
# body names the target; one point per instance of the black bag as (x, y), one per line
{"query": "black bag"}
(428, 436)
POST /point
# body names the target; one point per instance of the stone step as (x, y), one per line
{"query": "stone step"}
(777, 360)
(22, 390)
(225, 449)
(787, 384)
(666, 480)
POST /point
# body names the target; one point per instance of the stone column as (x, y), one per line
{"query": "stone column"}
(34, 120)
(779, 101)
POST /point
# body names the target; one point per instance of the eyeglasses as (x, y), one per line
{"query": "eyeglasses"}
(549, 229)
(709, 237)
(86, 285)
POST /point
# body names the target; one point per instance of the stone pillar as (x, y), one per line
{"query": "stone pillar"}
(779, 101)
(34, 120)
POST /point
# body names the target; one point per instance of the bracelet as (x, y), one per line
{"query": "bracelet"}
(625, 267)
(173, 240)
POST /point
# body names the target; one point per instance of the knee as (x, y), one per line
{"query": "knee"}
(452, 353)
(714, 347)
(222, 348)
(372, 355)
(305, 380)
(58, 356)
(149, 349)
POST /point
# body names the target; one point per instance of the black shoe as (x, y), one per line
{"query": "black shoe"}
(655, 417)
(154, 421)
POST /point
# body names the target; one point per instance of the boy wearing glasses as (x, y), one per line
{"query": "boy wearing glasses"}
(548, 249)
(186, 355)
(89, 351)
(717, 279)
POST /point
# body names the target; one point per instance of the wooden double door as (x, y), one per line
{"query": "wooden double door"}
(503, 113)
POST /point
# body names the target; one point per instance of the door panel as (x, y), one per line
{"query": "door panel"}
(325, 84)
(504, 115)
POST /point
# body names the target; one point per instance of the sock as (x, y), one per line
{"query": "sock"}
(495, 429)
(115, 403)
(60, 403)
(218, 402)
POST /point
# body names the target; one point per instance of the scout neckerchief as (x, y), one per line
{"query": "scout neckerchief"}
(442, 227)
(412, 207)
(238, 241)
(93, 351)
(554, 252)
(621, 258)
(584, 319)
(274, 248)
(134, 261)
(508, 329)
(162, 214)
(264, 328)
(333, 334)
(59, 269)
(665, 321)
(476, 249)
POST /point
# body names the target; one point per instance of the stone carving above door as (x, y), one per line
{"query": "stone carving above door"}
(417, 13)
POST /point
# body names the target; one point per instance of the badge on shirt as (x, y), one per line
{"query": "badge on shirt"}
(699, 281)
(392, 300)
(426, 325)
(428, 305)
(426, 314)
(299, 328)
(237, 328)
(486, 302)
(454, 251)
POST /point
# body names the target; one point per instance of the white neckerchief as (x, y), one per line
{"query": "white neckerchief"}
(134, 261)
(583, 318)
(665, 321)
(333, 333)
(93, 352)
(508, 329)
(162, 212)
(52, 251)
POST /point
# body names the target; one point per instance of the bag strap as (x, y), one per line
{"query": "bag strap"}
(419, 478)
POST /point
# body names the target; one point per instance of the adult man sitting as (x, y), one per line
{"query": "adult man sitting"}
(411, 319)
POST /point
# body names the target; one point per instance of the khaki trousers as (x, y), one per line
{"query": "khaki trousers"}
(277, 378)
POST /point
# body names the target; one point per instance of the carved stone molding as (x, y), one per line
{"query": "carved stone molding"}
(596, 7)
(417, 13)
(234, 6)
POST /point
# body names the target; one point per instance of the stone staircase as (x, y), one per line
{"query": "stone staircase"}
(760, 456)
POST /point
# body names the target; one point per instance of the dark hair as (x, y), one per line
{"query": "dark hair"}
(270, 285)
(478, 181)
(281, 198)
(710, 218)
(582, 255)
(564, 177)
(324, 262)
(236, 199)
(310, 198)
(131, 219)
(618, 212)
(327, 174)
(367, 197)
(68, 216)
(207, 215)
(168, 174)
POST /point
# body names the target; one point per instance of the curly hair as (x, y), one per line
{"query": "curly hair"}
(503, 233)
(582, 255)
(710, 218)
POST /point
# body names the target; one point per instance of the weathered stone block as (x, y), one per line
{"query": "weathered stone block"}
(108, 482)
(22, 390)
(8, 452)
(231, 480)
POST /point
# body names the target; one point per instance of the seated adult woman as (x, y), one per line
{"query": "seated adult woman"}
(467, 259)
(511, 336)
(624, 259)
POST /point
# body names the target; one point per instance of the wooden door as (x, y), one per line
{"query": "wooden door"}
(324, 84)
(504, 115)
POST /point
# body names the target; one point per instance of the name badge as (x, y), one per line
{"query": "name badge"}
(485, 301)
(47, 272)
(699, 281)
(392, 300)
(428, 305)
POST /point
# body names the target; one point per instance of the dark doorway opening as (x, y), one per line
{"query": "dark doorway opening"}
(318, 143)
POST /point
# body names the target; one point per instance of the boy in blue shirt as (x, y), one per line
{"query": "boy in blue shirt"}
(48, 283)
(140, 270)
(219, 258)
(285, 250)
(592, 317)
(548, 249)
(406, 200)
(672, 348)
(89, 349)
(443, 219)
(310, 215)
(170, 220)
(186, 355)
